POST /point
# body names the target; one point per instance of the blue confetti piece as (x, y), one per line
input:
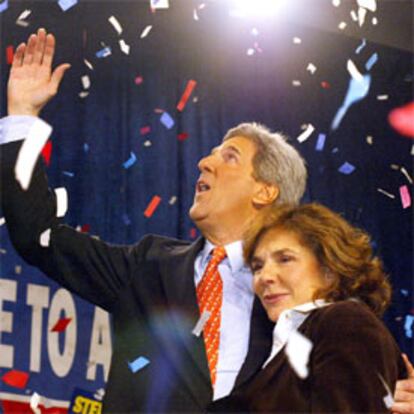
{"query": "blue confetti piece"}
(67, 4)
(138, 364)
(86, 147)
(68, 173)
(346, 168)
(357, 90)
(166, 120)
(361, 46)
(130, 161)
(4, 5)
(404, 292)
(371, 61)
(106, 51)
(320, 143)
(335, 150)
(408, 326)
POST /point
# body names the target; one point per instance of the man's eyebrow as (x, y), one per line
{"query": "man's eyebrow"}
(233, 148)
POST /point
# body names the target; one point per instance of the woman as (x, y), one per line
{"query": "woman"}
(315, 275)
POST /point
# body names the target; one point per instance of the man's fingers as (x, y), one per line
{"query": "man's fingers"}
(57, 75)
(40, 46)
(30, 48)
(403, 407)
(406, 385)
(401, 396)
(408, 365)
(18, 56)
(49, 51)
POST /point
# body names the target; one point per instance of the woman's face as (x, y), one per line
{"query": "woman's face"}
(285, 272)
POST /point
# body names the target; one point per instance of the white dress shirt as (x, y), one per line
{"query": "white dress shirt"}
(238, 293)
(235, 312)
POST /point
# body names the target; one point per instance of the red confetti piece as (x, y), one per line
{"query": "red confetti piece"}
(187, 92)
(402, 119)
(182, 136)
(145, 130)
(325, 85)
(193, 233)
(9, 55)
(15, 378)
(149, 211)
(405, 196)
(61, 325)
(47, 152)
(85, 228)
(139, 80)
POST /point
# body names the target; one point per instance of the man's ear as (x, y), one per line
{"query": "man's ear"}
(265, 195)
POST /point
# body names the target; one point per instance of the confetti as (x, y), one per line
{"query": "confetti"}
(386, 193)
(405, 196)
(103, 53)
(124, 47)
(296, 83)
(9, 55)
(2, 221)
(67, 4)
(61, 201)
(336, 3)
(138, 364)
(83, 94)
(15, 378)
(311, 68)
(160, 4)
(85, 147)
(147, 143)
(85, 228)
(45, 238)
(371, 5)
(361, 46)
(353, 71)
(254, 32)
(34, 403)
(130, 161)
(17, 269)
(47, 152)
(21, 19)
(320, 143)
(201, 323)
(325, 85)
(61, 325)
(408, 326)
(354, 16)
(342, 25)
(172, 201)
(145, 32)
(297, 40)
(357, 90)
(370, 139)
(306, 133)
(250, 51)
(99, 394)
(404, 292)
(361, 16)
(407, 176)
(4, 5)
(297, 350)
(32, 146)
(145, 130)
(183, 136)
(374, 21)
(153, 204)
(86, 83)
(346, 168)
(388, 399)
(402, 119)
(187, 92)
(115, 23)
(166, 120)
(382, 97)
(195, 15)
(371, 61)
(88, 64)
(138, 80)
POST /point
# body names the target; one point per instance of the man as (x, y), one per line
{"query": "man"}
(157, 288)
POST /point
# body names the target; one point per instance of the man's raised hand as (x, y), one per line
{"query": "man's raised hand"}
(32, 83)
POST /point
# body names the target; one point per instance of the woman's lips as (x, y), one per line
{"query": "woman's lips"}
(272, 299)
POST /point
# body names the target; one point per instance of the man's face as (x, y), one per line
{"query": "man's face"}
(225, 188)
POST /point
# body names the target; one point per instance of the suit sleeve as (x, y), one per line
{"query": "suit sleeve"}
(93, 269)
(352, 349)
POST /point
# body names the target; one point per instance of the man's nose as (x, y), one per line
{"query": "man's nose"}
(206, 163)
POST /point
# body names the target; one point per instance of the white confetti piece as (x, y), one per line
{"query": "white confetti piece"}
(382, 97)
(201, 322)
(145, 31)
(296, 83)
(159, 4)
(124, 47)
(88, 64)
(99, 394)
(407, 176)
(311, 68)
(336, 3)
(45, 238)
(361, 16)
(374, 21)
(2, 221)
(412, 150)
(353, 71)
(21, 19)
(298, 349)
(115, 23)
(395, 167)
(370, 140)
(250, 51)
(342, 25)
(173, 199)
(354, 15)
(32, 146)
(371, 5)
(61, 201)
(306, 133)
(297, 40)
(34, 403)
(195, 15)
(3, 251)
(17, 269)
(388, 399)
(86, 82)
(386, 193)
(254, 32)
(83, 94)
(147, 143)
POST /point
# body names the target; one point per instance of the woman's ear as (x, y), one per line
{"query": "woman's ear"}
(265, 194)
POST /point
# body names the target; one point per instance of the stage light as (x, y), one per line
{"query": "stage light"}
(254, 8)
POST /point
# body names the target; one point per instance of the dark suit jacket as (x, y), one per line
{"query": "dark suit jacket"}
(351, 348)
(147, 287)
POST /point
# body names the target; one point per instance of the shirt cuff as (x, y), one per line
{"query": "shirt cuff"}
(17, 127)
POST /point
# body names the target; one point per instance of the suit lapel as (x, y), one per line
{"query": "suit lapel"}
(177, 274)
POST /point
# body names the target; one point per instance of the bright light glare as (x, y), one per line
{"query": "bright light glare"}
(255, 8)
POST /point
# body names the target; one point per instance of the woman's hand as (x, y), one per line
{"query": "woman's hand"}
(404, 391)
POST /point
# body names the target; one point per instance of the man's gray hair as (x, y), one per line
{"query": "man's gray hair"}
(275, 162)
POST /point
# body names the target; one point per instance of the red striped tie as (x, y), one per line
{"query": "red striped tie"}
(210, 298)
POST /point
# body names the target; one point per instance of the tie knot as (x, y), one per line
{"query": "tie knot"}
(219, 253)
